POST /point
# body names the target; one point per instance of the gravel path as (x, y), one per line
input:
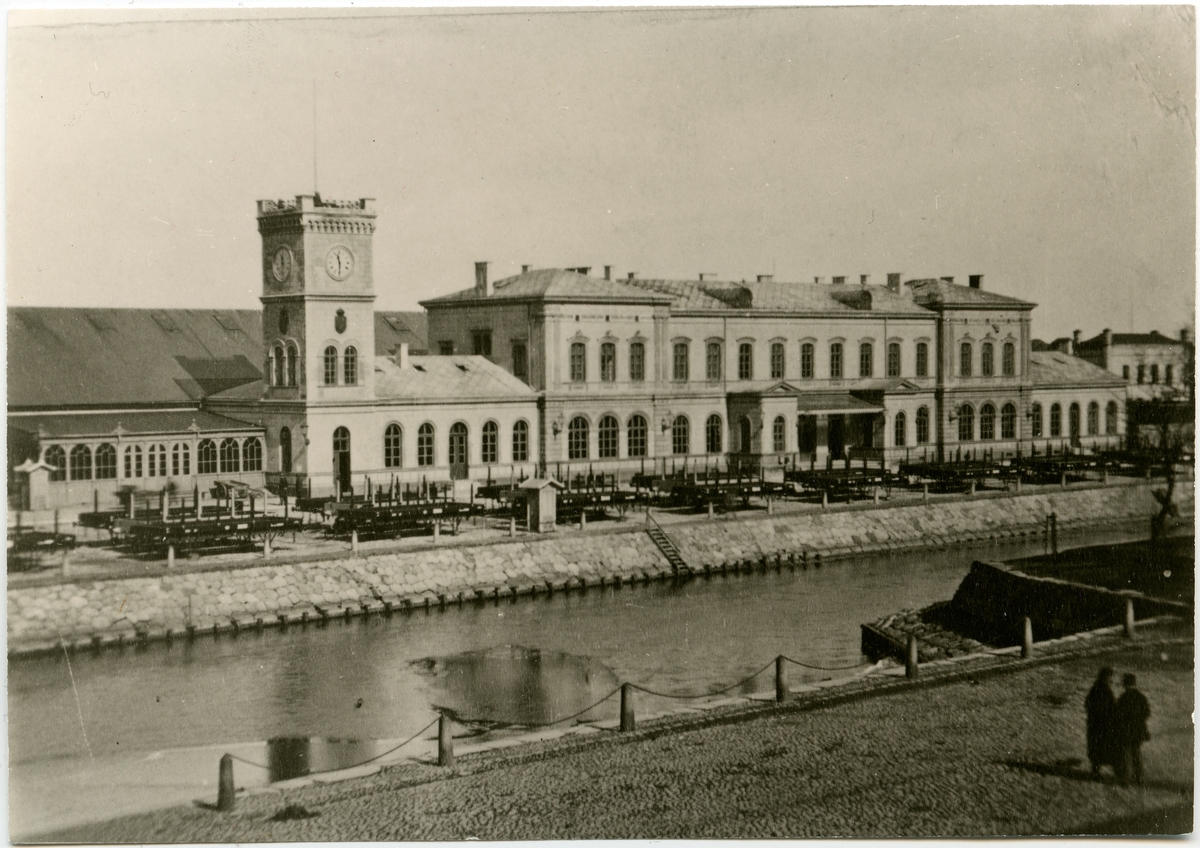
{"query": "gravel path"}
(999, 755)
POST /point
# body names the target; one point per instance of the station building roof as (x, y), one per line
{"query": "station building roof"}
(1154, 337)
(139, 422)
(447, 378)
(1054, 368)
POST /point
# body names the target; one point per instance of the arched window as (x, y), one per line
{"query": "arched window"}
(331, 366)
(679, 435)
(923, 425)
(489, 442)
(1055, 420)
(610, 437)
(966, 423)
(56, 458)
(893, 359)
(987, 363)
(1009, 364)
(1093, 421)
(458, 446)
(745, 361)
(393, 446)
(520, 442)
(425, 445)
(1008, 421)
(577, 438)
(806, 361)
(106, 462)
(1074, 422)
(777, 361)
(206, 457)
(156, 461)
(835, 361)
(1035, 421)
(922, 359)
(713, 435)
(712, 361)
(901, 429)
(230, 456)
(252, 455)
(679, 363)
(578, 362)
(1110, 418)
(290, 362)
(987, 422)
(637, 362)
(866, 360)
(779, 434)
(964, 359)
(285, 450)
(133, 461)
(608, 362)
(81, 462)
(276, 365)
(350, 366)
(635, 435)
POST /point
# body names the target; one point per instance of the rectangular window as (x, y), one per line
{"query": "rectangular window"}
(777, 361)
(679, 370)
(1154, 373)
(637, 362)
(893, 361)
(1009, 363)
(608, 362)
(445, 348)
(835, 361)
(1125, 372)
(481, 342)
(520, 361)
(986, 363)
(964, 360)
(578, 362)
(745, 361)
(1141, 374)
(712, 361)
(806, 361)
(866, 360)
(922, 359)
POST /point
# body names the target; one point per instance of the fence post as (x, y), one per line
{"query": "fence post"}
(583, 519)
(770, 507)
(1027, 639)
(437, 530)
(1129, 626)
(266, 547)
(354, 541)
(971, 488)
(225, 784)
(628, 723)
(911, 662)
(876, 494)
(445, 742)
(170, 556)
(781, 684)
(825, 499)
(924, 493)
(710, 510)
(512, 527)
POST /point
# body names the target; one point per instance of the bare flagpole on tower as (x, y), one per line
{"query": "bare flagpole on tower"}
(316, 191)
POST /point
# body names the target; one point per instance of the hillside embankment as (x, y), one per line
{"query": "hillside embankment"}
(193, 599)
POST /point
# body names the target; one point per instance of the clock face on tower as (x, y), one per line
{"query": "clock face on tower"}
(339, 262)
(281, 264)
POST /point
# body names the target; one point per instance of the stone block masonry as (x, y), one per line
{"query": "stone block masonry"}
(125, 610)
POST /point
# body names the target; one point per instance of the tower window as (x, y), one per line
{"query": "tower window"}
(290, 370)
(331, 366)
(350, 366)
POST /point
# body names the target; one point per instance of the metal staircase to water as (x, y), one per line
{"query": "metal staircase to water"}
(678, 565)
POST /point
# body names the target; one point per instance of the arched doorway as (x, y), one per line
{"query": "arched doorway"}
(744, 434)
(341, 460)
(458, 452)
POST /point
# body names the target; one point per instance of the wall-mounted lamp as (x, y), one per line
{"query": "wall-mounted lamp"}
(557, 425)
(666, 422)
(304, 432)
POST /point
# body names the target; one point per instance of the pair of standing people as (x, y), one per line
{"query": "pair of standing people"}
(1116, 728)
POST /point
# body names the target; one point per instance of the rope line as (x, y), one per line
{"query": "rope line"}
(356, 765)
(741, 682)
(573, 715)
(826, 667)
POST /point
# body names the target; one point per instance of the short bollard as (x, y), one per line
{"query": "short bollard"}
(825, 499)
(627, 720)
(1129, 626)
(437, 530)
(876, 494)
(911, 661)
(925, 493)
(354, 541)
(1018, 485)
(512, 527)
(770, 507)
(1104, 478)
(710, 510)
(170, 556)
(445, 742)
(225, 784)
(267, 547)
(582, 520)
(781, 684)
(1062, 481)
(971, 488)
(1027, 639)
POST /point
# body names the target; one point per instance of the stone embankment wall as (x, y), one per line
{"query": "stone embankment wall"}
(174, 603)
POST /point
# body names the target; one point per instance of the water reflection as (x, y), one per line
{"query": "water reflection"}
(511, 684)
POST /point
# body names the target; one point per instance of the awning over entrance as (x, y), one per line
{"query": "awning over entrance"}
(834, 404)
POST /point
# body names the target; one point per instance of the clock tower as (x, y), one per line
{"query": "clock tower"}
(318, 297)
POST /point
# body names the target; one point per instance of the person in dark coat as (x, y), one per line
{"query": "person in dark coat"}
(1101, 708)
(1133, 711)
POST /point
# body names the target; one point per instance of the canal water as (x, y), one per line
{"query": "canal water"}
(102, 734)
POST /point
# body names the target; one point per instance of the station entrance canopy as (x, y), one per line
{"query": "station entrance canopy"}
(834, 404)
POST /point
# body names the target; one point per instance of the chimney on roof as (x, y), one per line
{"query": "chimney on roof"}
(947, 279)
(863, 279)
(707, 275)
(632, 274)
(975, 281)
(608, 272)
(1185, 335)
(402, 355)
(582, 269)
(893, 282)
(817, 280)
(482, 287)
(525, 269)
(1076, 336)
(839, 281)
(766, 278)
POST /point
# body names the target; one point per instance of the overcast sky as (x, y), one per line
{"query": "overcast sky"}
(1051, 149)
